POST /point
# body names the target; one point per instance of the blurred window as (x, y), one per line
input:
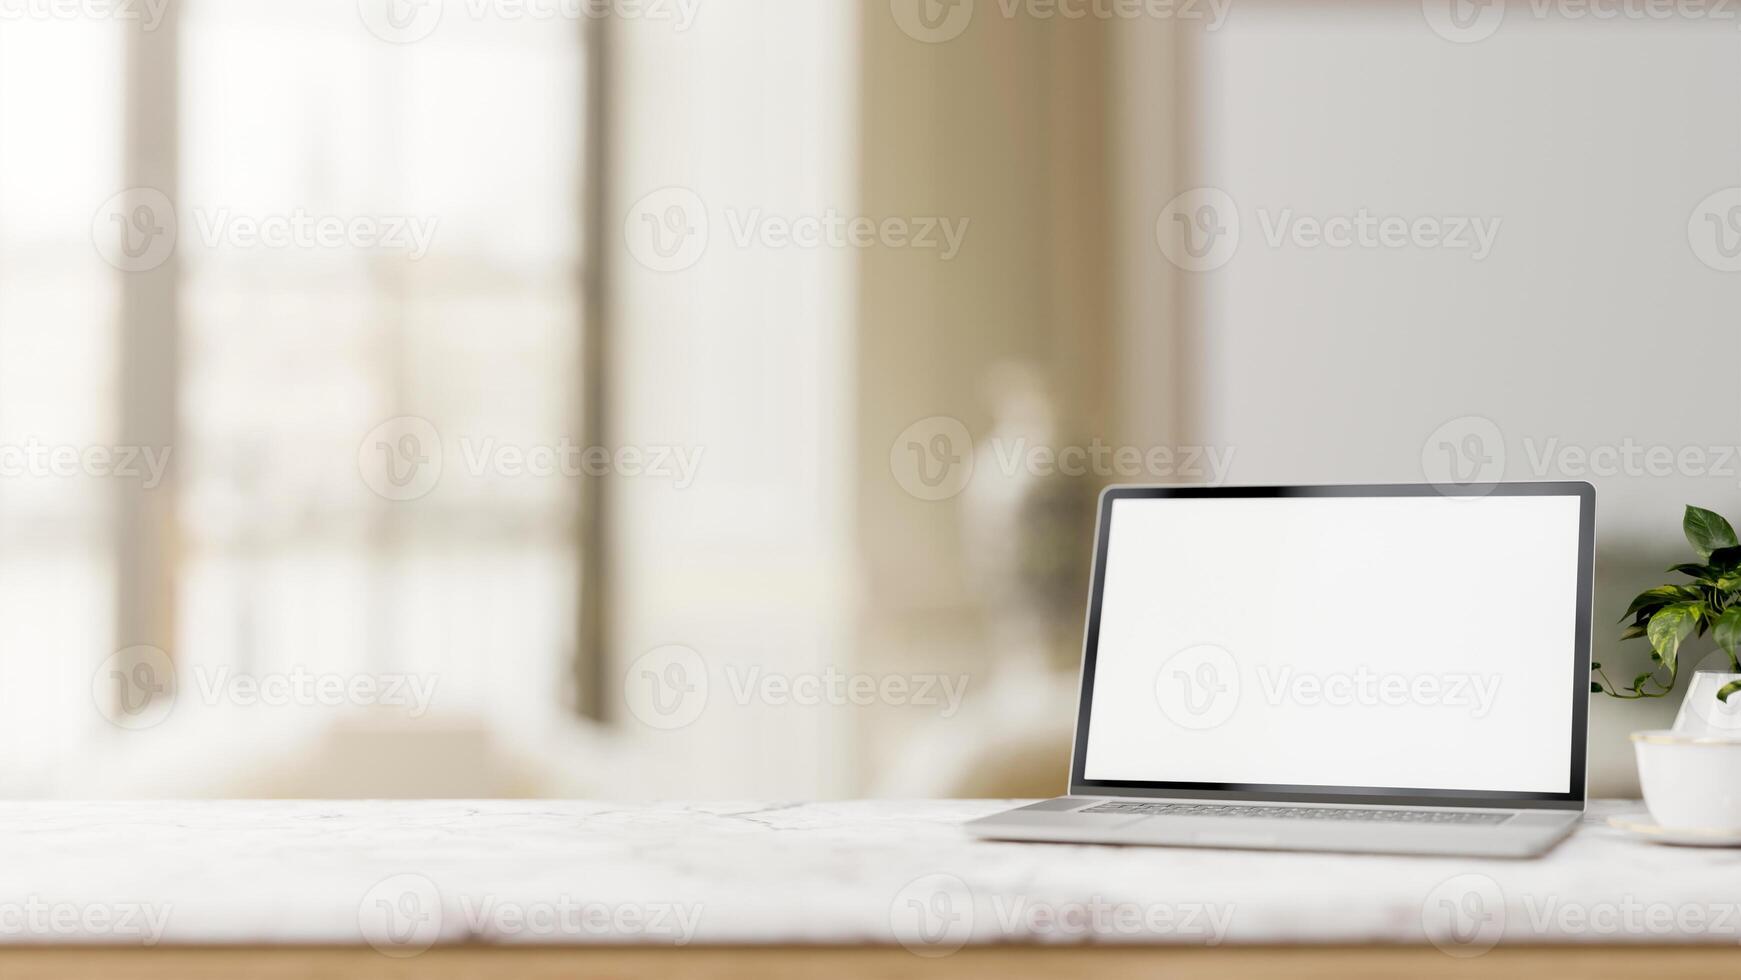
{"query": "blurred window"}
(378, 311)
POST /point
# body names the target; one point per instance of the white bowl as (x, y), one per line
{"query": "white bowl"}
(1691, 782)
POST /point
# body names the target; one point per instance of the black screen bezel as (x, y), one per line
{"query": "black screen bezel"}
(1573, 798)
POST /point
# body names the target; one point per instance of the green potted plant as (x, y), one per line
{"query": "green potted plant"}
(1669, 615)
(1685, 771)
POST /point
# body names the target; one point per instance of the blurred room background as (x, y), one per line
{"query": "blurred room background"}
(708, 398)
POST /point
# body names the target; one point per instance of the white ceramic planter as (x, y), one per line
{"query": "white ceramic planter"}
(1691, 782)
(1701, 713)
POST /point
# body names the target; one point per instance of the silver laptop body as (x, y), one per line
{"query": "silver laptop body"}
(1344, 668)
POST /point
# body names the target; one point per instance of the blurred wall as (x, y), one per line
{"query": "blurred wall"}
(1573, 309)
(730, 337)
(1595, 320)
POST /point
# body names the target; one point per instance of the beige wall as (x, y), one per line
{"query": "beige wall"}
(1006, 126)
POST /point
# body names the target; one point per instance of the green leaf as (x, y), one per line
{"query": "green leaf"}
(1638, 682)
(1595, 666)
(1633, 632)
(1596, 688)
(1726, 559)
(1653, 599)
(1669, 628)
(1727, 632)
(1728, 689)
(1701, 572)
(1707, 531)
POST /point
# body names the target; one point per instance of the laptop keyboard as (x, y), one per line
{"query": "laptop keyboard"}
(1460, 817)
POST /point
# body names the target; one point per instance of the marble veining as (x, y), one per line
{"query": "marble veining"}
(405, 875)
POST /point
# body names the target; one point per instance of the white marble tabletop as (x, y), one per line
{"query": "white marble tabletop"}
(404, 875)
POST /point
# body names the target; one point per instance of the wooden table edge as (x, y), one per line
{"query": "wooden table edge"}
(1008, 962)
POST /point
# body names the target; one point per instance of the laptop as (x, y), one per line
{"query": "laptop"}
(1389, 668)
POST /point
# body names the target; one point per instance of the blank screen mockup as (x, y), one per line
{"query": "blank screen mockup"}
(1399, 642)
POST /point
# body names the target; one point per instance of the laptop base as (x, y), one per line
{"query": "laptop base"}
(1524, 833)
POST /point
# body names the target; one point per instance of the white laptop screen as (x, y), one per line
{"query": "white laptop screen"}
(1418, 642)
